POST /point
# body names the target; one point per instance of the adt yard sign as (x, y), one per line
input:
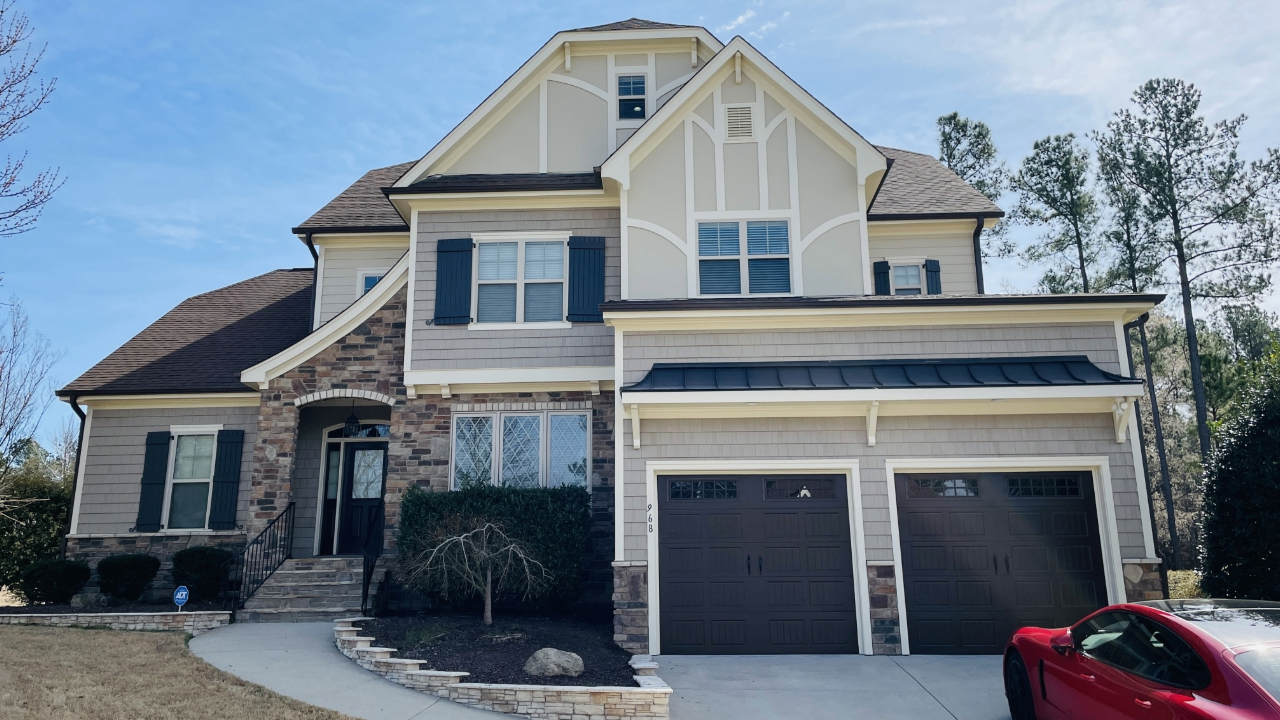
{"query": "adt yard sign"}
(180, 596)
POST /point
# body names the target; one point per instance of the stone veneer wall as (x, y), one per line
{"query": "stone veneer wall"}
(886, 637)
(371, 358)
(92, 548)
(650, 698)
(1142, 581)
(191, 622)
(631, 605)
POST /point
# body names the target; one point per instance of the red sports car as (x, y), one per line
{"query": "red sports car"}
(1162, 660)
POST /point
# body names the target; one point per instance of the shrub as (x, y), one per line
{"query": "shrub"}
(33, 531)
(127, 576)
(1184, 584)
(52, 581)
(1239, 554)
(203, 570)
(551, 524)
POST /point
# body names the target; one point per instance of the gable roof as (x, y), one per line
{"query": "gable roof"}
(919, 186)
(631, 24)
(361, 207)
(203, 344)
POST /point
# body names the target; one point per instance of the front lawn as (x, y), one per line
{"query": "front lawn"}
(71, 674)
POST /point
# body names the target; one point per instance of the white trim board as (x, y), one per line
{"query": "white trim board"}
(834, 466)
(1103, 493)
(451, 382)
(174, 400)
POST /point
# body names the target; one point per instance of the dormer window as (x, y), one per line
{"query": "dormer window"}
(723, 269)
(631, 97)
(908, 280)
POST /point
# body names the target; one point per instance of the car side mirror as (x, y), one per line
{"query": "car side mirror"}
(1063, 643)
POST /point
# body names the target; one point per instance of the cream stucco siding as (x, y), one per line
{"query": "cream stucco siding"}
(831, 264)
(656, 266)
(828, 184)
(779, 170)
(741, 176)
(658, 191)
(577, 128)
(341, 268)
(510, 146)
(116, 446)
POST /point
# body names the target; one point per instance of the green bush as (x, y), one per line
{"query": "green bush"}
(127, 576)
(33, 531)
(1184, 584)
(1239, 554)
(52, 581)
(203, 570)
(554, 524)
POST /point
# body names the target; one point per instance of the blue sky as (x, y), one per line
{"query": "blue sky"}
(194, 135)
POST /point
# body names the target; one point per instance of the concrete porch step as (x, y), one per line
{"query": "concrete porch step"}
(299, 615)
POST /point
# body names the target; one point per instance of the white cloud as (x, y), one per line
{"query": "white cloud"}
(933, 21)
(738, 21)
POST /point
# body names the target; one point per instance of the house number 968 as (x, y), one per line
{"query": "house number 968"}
(649, 510)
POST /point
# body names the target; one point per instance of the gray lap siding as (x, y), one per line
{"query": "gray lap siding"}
(114, 451)
(457, 347)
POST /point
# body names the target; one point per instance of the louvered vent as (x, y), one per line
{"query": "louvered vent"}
(738, 122)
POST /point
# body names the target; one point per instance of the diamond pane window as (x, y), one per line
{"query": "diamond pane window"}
(521, 437)
(567, 464)
(473, 451)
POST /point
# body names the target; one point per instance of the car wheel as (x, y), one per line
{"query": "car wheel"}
(1017, 688)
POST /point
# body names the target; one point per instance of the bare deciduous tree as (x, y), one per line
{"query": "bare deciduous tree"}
(25, 361)
(472, 556)
(21, 199)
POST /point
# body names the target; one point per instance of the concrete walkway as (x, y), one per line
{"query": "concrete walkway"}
(843, 687)
(299, 660)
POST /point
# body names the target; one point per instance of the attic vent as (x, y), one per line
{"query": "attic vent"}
(738, 122)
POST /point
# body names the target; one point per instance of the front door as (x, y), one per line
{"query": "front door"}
(364, 473)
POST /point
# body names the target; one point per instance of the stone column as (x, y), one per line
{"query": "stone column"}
(886, 633)
(1142, 580)
(631, 605)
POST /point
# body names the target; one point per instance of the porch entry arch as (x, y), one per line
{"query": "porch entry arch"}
(344, 393)
(352, 483)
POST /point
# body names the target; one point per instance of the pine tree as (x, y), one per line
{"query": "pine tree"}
(1053, 190)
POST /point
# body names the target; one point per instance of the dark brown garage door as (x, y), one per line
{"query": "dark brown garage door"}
(986, 554)
(755, 565)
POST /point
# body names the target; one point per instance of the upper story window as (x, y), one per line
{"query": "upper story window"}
(190, 482)
(368, 280)
(723, 267)
(520, 281)
(908, 280)
(631, 97)
(907, 276)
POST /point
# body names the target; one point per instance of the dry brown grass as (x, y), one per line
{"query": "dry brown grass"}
(116, 675)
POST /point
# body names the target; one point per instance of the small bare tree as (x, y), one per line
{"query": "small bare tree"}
(472, 556)
(20, 97)
(25, 361)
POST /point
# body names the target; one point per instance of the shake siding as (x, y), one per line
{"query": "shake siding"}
(1096, 340)
(340, 283)
(457, 347)
(896, 437)
(114, 454)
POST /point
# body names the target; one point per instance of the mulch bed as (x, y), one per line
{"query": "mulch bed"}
(496, 654)
(121, 608)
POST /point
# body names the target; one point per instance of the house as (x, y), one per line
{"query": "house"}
(651, 264)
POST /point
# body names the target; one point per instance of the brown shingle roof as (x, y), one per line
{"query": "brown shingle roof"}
(920, 185)
(630, 24)
(361, 207)
(202, 344)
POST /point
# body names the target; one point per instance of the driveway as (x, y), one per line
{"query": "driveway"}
(839, 687)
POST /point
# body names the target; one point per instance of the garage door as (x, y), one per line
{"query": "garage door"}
(986, 554)
(755, 565)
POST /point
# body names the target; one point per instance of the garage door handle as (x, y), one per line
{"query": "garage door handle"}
(995, 564)
(748, 564)
(760, 563)
(1006, 564)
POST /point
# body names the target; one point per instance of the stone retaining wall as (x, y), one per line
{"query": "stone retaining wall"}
(546, 702)
(191, 622)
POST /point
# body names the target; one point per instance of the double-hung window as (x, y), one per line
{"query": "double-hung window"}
(521, 449)
(908, 279)
(723, 268)
(631, 97)
(190, 480)
(520, 281)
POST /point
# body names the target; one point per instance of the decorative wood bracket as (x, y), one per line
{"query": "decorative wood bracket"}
(635, 426)
(737, 68)
(568, 59)
(595, 387)
(1121, 411)
(693, 52)
(411, 391)
(444, 392)
(873, 417)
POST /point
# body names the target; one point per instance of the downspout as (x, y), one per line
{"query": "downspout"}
(977, 252)
(1142, 442)
(75, 476)
(315, 277)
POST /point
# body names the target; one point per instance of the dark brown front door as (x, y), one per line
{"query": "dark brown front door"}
(985, 554)
(755, 565)
(364, 472)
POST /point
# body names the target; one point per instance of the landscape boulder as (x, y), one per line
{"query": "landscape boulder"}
(550, 662)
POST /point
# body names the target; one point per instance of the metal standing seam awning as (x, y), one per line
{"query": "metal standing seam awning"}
(1027, 385)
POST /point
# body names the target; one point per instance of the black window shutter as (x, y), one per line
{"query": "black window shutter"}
(226, 480)
(155, 468)
(453, 281)
(933, 277)
(881, 271)
(586, 279)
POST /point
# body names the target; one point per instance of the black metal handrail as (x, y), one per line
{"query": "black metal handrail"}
(372, 551)
(261, 557)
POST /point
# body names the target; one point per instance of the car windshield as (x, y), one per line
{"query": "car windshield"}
(1263, 665)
